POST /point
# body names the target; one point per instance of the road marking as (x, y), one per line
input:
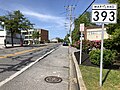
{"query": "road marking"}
(17, 53)
(25, 68)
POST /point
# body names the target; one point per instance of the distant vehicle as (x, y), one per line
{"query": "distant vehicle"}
(65, 44)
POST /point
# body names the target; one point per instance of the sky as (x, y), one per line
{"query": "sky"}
(48, 14)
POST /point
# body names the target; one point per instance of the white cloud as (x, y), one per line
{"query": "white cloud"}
(41, 16)
(46, 17)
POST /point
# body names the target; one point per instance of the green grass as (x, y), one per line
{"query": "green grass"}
(91, 76)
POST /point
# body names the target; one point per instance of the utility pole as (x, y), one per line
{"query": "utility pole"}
(70, 9)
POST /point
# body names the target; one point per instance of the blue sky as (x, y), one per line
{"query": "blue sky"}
(47, 14)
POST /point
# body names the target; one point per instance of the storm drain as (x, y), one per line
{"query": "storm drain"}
(53, 79)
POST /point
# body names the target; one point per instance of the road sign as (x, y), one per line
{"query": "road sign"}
(104, 13)
(82, 27)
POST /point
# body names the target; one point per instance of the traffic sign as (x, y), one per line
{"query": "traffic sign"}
(104, 13)
(81, 30)
(82, 27)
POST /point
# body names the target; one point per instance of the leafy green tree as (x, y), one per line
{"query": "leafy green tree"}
(116, 39)
(113, 42)
(108, 43)
(111, 27)
(81, 19)
(66, 39)
(15, 22)
(35, 35)
(59, 39)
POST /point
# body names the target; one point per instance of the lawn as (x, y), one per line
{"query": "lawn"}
(111, 78)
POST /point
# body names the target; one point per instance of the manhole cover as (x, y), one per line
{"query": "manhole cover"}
(53, 79)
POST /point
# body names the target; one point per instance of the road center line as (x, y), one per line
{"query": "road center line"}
(21, 52)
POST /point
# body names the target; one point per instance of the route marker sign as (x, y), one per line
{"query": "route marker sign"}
(104, 13)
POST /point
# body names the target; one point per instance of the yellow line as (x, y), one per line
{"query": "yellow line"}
(17, 53)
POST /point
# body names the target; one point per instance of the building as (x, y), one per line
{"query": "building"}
(28, 36)
(54, 40)
(25, 37)
(43, 35)
(5, 38)
(94, 33)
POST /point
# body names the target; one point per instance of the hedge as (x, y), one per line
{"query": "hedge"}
(108, 57)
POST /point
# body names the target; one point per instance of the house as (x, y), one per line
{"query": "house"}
(54, 40)
(94, 33)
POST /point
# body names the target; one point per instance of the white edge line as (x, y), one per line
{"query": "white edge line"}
(25, 68)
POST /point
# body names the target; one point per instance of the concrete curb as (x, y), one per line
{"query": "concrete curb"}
(79, 75)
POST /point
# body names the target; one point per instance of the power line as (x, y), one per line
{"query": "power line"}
(86, 10)
(77, 2)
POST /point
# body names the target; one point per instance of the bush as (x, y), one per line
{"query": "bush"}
(108, 44)
(108, 57)
(95, 57)
(86, 44)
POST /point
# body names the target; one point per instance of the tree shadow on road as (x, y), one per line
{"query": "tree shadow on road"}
(16, 67)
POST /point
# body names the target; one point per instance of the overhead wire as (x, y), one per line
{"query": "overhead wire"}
(85, 10)
(65, 4)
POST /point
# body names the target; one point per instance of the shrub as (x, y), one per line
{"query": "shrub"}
(86, 44)
(108, 44)
(108, 57)
(95, 56)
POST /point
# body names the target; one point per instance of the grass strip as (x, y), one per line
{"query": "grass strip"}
(111, 78)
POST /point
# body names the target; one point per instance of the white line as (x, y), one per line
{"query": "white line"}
(22, 70)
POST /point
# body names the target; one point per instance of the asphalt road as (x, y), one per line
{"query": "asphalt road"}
(55, 64)
(14, 59)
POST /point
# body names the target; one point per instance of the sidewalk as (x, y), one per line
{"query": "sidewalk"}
(59, 64)
(55, 64)
(81, 83)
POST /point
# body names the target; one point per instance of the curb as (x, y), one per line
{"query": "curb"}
(79, 75)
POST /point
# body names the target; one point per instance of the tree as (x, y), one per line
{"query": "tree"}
(66, 39)
(116, 39)
(81, 19)
(111, 27)
(35, 35)
(59, 39)
(114, 31)
(15, 22)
